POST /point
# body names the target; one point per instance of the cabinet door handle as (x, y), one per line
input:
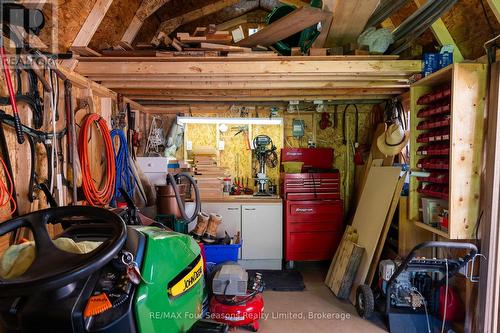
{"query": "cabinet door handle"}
(233, 209)
(249, 208)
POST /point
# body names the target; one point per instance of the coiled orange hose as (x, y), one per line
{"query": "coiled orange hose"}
(6, 194)
(94, 195)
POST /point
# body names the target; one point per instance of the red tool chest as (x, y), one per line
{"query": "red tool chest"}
(313, 208)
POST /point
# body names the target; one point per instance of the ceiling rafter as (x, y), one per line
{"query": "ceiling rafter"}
(87, 31)
(146, 9)
(169, 26)
(442, 34)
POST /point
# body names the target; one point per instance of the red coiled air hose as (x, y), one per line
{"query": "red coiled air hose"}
(94, 195)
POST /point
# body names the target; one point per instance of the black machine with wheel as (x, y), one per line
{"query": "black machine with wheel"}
(407, 291)
(95, 290)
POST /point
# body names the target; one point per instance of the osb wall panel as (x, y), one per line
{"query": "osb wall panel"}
(468, 26)
(333, 138)
(20, 155)
(202, 135)
(148, 30)
(71, 15)
(115, 23)
(237, 158)
(427, 39)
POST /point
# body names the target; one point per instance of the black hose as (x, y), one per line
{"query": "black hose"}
(172, 180)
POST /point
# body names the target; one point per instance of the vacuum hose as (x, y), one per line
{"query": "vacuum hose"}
(172, 180)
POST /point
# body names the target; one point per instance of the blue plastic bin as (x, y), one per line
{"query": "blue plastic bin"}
(221, 253)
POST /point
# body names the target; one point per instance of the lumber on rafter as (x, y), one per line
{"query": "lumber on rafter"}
(349, 20)
(286, 26)
(169, 26)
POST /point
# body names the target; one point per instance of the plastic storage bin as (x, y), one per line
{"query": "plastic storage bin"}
(221, 253)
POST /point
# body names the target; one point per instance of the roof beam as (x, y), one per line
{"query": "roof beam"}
(349, 19)
(146, 9)
(87, 31)
(442, 34)
(495, 8)
(251, 67)
(169, 26)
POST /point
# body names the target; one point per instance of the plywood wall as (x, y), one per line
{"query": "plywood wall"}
(100, 101)
(237, 158)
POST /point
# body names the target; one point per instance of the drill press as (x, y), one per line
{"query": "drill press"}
(265, 153)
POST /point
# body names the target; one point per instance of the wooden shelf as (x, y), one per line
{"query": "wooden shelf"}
(466, 139)
(440, 77)
(432, 229)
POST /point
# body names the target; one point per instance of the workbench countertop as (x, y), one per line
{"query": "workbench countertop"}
(249, 199)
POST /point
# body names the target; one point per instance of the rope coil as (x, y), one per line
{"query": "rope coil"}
(124, 175)
(94, 195)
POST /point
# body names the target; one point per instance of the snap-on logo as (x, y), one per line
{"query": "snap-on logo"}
(303, 210)
(290, 153)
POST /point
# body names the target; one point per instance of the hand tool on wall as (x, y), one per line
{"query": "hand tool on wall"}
(8, 171)
(12, 94)
(325, 121)
(71, 141)
(132, 134)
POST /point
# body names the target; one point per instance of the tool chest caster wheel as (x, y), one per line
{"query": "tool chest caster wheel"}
(365, 302)
(255, 326)
(290, 264)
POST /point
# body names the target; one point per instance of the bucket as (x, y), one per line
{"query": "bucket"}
(166, 200)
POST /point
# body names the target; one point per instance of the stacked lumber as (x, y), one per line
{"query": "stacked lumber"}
(345, 264)
(208, 175)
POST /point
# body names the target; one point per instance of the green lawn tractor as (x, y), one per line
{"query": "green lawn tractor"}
(100, 275)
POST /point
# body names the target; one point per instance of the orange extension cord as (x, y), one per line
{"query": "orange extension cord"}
(96, 196)
(7, 194)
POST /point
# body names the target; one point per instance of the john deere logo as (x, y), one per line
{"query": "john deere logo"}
(189, 280)
(192, 280)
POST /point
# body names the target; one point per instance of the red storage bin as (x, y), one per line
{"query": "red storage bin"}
(434, 136)
(440, 191)
(440, 163)
(436, 122)
(434, 149)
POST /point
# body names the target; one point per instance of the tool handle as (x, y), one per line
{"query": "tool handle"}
(12, 97)
(19, 128)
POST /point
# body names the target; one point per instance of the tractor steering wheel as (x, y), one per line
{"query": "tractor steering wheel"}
(53, 268)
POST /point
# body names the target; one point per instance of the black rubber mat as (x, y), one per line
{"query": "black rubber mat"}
(287, 280)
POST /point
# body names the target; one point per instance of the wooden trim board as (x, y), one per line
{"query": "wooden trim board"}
(371, 214)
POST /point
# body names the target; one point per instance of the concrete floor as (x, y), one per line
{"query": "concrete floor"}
(288, 311)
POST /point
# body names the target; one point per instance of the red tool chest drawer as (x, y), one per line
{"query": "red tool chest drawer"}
(312, 245)
(313, 229)
(314, 211)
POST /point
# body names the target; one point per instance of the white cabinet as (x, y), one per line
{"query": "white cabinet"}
(262, 231)
(231, 216)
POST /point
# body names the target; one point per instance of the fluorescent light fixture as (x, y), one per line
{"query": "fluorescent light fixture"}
(234, 121)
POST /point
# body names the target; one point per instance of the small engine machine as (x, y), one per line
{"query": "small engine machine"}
(237, 299)
(414, 293)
